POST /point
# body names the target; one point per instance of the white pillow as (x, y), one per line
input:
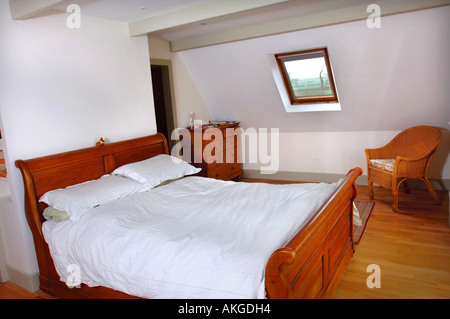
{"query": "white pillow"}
(80, 198)
(155, 170)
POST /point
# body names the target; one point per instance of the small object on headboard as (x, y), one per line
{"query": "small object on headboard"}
(100, 142)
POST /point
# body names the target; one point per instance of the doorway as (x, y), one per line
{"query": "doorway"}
(163, 98)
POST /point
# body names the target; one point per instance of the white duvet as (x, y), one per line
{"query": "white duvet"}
(193, 238)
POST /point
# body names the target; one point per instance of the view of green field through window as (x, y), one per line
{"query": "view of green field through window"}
(309, 77)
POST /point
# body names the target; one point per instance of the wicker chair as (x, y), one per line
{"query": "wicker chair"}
(407, 156)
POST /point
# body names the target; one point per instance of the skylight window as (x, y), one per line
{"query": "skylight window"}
(307, 76)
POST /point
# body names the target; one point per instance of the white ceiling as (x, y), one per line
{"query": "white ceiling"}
(128, 10)
(294, 9)
(195, 23)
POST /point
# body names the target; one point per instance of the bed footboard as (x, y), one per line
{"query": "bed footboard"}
(312, 263)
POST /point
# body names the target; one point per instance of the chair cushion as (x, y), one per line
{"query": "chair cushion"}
(386, 164)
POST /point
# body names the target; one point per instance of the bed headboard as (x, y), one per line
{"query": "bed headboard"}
(43, 174)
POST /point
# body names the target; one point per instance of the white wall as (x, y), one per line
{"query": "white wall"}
(3, 270)
(62, 89)
(332, 153)
(388, 79)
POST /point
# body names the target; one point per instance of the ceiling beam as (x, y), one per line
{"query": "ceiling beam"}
(325, 18)
(24, 9)
(196, 13)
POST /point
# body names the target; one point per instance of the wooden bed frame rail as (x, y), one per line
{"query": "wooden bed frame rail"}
(309, 266)
(313, 262)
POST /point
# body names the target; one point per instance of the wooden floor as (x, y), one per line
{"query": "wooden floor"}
(411, 247)
(9, 290)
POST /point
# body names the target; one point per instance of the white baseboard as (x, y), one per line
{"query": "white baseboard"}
(29, 282)
(438, 184)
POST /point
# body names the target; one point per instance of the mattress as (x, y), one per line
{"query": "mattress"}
(195, 237)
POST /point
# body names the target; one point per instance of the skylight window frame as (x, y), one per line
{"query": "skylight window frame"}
(304, 55)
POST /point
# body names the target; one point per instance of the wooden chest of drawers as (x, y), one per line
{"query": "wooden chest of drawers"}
(216, 151)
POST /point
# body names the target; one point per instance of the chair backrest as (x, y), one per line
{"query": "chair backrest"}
(417, 141)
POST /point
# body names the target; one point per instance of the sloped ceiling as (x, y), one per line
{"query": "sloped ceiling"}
(388, 78)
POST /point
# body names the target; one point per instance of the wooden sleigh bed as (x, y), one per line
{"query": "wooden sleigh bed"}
(309, 266)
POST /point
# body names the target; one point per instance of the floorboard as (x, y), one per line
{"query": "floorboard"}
(8, 290)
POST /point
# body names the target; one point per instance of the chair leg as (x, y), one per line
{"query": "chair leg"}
(370, 190)
(395, 202)
(431, 189)
(395, 190)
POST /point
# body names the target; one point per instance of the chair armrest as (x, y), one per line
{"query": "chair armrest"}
(410, 167)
